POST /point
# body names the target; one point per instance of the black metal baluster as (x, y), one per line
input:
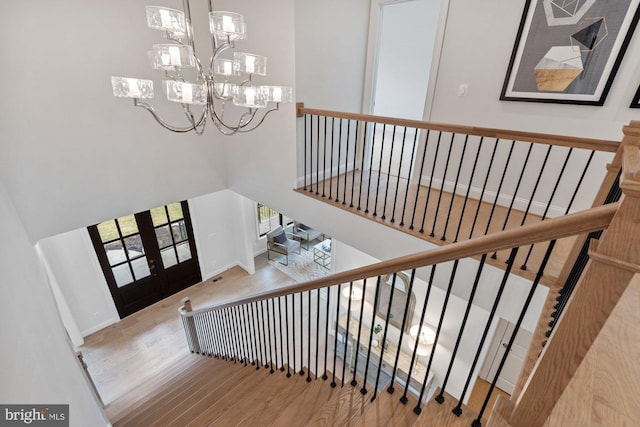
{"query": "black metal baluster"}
(335, 342)
(406, 192)
(225, 335)
(208, 347)
(317, 154)
(523, 312)
(579, 184)
(267, 326)
(346, 165)
(386, 191)
(484, 186)
(384, 336)
(234, 334)
(326, 335)
(311, 156)
(515, 192)
(324, 157)
(267, 349)
(355, 158)
(275, 336)
(304, 120)
(535, 187)
(346, 334)
(466, 197)
(232, 342)
(458, 409)
(395, 199)
(404, 399)
(433, 171)
(333, 131)
(375, 206)
(286, 321)
(391, 389)
(418, 184)
(504, 173)
(254, 354)
(302, 335)
(219, 332)
(212, 346)
(317, 328)
(195, 333)
(373, 145)
(308, 336)
(360, 322)
(243, 335)
(363, 390)
(339, 151)
(546, 209)
(417, 409)
(440, 397)
(293, 329)
(256, 333)
(280, 333)
(455, 188)
(444, 180)
(364, 149)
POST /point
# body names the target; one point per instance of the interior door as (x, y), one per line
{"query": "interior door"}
(513, 364)
(147, 256)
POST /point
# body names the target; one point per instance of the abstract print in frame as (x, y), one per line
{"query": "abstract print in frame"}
(636, 100)
(568, 51)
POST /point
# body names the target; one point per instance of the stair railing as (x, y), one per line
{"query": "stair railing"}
(322, 327)
(403, 173)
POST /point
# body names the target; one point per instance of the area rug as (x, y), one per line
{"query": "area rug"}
(301, 266)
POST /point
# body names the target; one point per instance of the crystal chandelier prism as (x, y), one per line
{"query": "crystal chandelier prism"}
(224, 80)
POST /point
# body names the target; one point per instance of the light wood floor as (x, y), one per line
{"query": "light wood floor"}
(470, 219)
(131, 361)
(144, 344)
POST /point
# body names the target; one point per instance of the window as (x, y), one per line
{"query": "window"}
(268, 219)
(122, 243)
(171, 234)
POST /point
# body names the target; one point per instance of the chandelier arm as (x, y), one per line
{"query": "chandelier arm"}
(152, 111)
(271, 110)
(240, 125)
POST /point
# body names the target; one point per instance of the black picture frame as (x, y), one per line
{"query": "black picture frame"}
(636, 100)
(586, 53)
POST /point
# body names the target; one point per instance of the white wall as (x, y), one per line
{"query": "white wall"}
(39, 365)
(477, 47)
(330, 53)
(74, 267)
(71, 153)
(222, 238)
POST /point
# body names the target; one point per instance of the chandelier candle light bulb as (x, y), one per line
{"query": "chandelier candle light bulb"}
(226, 28)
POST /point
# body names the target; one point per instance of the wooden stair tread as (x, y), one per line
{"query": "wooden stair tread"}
(265, 402)
(156, 404)
(183, 400)
(307, 403)
(440, 415)
(344, 409)
(184, 369)
(221, 399)
(387, 410)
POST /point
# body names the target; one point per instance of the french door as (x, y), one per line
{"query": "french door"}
(146, 257)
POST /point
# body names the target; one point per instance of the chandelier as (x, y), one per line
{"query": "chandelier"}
(224, 80)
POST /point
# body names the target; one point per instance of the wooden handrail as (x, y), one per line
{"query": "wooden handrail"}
(581, 222)
(566, 141)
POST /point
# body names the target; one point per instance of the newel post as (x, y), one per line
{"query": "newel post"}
(189, 324)
(614, 260)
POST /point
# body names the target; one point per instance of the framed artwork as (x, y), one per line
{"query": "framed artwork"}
(568, 51)
(636, 100)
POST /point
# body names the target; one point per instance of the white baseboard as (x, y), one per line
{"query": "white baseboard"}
(96, 328)
(505, 200)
